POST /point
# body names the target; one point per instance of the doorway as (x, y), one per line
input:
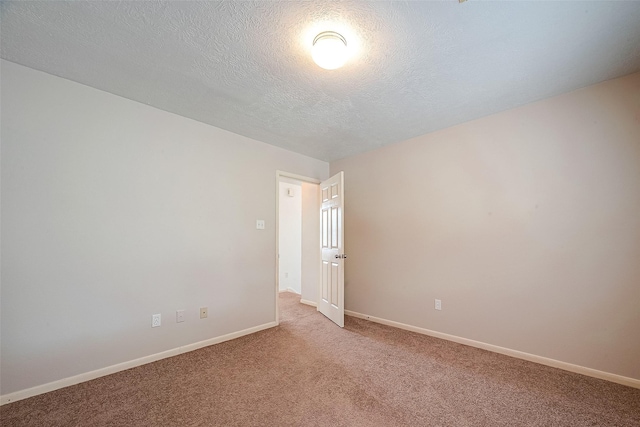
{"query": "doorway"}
(297, 237)
(290, 236)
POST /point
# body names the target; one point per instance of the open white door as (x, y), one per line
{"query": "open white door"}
(331, 298)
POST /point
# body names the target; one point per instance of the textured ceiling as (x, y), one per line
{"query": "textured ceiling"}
(246, 66)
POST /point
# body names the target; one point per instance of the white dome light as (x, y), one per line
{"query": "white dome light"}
(329, 50)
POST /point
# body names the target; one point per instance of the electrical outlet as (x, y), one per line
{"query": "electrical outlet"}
(204, 312)
(156, 320)
(286, 275)
(260, 224)
(179, 316)
(438, 305)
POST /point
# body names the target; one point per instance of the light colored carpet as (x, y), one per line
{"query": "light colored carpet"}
(309, 372)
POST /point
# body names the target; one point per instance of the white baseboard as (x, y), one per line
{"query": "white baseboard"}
(311, 303)
(76, 379)
(290, 290)
(631, 382)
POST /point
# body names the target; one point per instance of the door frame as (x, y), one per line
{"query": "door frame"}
(282, 174)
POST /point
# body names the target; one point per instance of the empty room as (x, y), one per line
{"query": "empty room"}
(320, 213)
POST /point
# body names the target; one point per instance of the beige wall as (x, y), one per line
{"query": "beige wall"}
(113, 211)
(526, 224)
(310, 241)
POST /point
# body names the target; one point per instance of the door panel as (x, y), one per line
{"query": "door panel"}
(331, 301)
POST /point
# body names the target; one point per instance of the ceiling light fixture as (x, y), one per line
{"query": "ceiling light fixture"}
(329, 50)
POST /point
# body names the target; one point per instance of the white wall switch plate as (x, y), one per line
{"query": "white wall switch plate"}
(260, 224)
(156, 320)
(179, 316)
(204, 312)
(438, 305)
